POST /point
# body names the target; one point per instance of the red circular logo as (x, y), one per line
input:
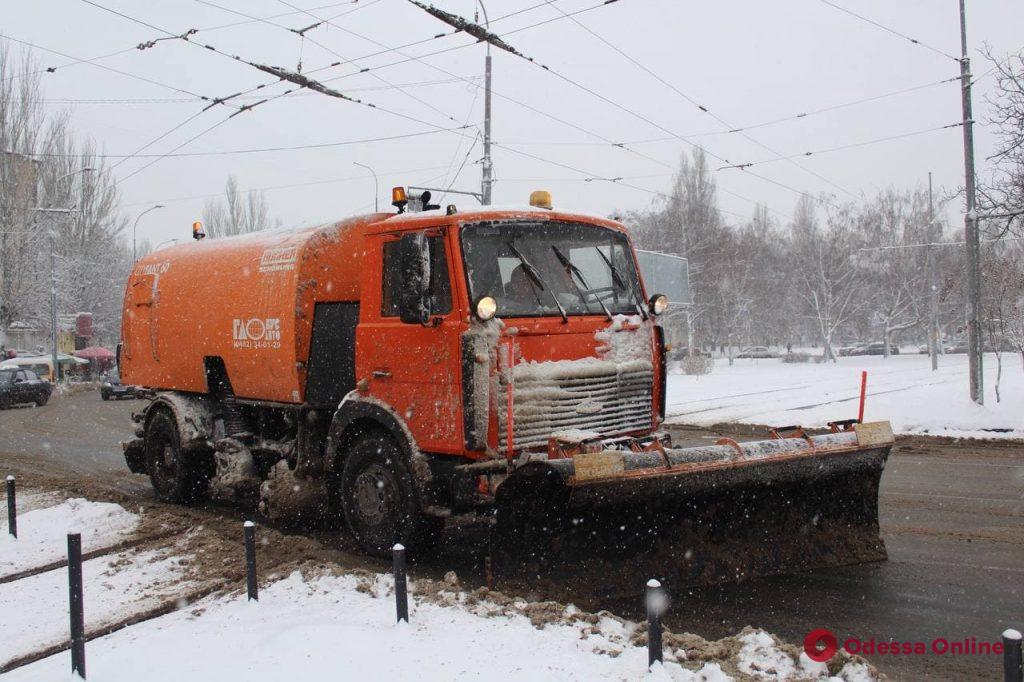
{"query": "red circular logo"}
(820, 645)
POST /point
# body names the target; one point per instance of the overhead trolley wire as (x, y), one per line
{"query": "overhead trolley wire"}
(893, 31)
(499, 43)
(328, 49)
(865, 143)
(704, 109)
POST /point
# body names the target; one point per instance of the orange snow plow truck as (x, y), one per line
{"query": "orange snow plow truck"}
(398, 371)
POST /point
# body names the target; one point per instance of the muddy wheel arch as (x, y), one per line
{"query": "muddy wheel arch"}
(193, 414)
(353, 418)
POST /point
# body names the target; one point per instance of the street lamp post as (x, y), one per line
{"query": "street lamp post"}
(53, 272)
(376, 186)
(136, 226)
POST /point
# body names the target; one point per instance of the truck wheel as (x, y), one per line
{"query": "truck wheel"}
(42, 401)
(175, 477)
(378, 497)
(104, 395)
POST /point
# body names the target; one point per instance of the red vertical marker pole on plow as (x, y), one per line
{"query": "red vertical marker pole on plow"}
(863, 394)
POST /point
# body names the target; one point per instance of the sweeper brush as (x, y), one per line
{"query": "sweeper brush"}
(697, 515)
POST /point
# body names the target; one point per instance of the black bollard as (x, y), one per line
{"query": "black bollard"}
(12, 508)
(401, 589)
(655, 608)
(77, 604)
(249, 531)
(1012, 669)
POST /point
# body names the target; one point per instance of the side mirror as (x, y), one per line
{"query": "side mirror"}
(414, 268)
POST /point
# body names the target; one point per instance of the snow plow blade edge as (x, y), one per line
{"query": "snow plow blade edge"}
(698, 515)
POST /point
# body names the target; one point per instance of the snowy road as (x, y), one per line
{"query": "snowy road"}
(951, 518)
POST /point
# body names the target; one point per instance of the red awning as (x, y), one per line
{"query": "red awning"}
(94, 353)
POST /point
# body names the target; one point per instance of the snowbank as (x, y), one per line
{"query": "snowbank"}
(343, 627)
(902, 389)
(42, 533)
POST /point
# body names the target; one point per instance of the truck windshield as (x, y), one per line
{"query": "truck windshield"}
(533, 269)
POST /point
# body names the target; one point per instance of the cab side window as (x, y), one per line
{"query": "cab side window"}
(440, 286)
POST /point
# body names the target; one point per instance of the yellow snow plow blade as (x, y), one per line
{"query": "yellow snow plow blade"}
(698, 515)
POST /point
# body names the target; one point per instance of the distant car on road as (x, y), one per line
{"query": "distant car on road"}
(853, 349)
(18, 386)
(757, 352)
(957, 347)
(113, 388)
(878, 348)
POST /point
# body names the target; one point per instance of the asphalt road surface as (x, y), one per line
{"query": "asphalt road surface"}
(952, 518)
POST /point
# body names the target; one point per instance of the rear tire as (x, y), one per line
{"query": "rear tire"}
(176, 476)
(104, 395)
(377, 495)
(42, 401)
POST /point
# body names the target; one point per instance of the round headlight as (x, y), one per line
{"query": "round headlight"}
(485, 308)
(659, 303)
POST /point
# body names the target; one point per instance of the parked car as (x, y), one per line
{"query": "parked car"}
(19, 385)
(757, 352)
(878, 348)
(853, 349)
(957, 347)
(113, 388)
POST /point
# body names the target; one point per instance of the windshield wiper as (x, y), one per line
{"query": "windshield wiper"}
(585, 291)
(534, 276)
(619, 282)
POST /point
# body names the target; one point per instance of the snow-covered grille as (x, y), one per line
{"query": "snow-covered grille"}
(592, 395)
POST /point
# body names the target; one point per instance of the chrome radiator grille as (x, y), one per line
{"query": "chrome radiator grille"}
(590, 395)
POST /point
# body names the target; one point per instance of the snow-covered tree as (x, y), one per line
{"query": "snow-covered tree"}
(239, 212)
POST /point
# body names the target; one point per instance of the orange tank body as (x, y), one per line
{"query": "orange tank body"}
(232, 297)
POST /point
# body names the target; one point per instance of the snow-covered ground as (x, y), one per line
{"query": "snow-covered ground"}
(902, 389)
(116, 587)
(42, 533)
(320, 623)
(326, 627)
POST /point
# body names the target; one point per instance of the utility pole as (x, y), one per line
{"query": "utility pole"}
(974, 346)
(487, 181)
(933, 289)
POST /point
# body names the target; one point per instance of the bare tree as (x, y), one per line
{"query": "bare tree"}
(891, 224)
(239, 212)
(829, 281)
(1005, 191)
(41, 167)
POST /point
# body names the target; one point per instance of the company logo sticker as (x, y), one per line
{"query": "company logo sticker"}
(820, 645)
(256, 332)
(153, 268)
(278, 259)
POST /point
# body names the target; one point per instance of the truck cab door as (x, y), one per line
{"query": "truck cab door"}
(413, 367)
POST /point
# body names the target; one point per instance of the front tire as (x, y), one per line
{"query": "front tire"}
(377, 495)
(176, 477)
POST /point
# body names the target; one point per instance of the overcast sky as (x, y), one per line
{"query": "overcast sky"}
(748, 62)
